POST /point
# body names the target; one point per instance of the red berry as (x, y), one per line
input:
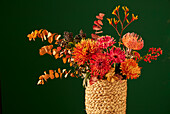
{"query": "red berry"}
(161, 52)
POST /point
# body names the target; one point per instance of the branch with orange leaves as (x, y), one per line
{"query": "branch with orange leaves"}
(44, 35)
(55, 74)
(116, 13)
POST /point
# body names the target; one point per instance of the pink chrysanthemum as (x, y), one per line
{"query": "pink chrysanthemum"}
(105, 41)
(99, 65)
(116, 55)
(130, 40)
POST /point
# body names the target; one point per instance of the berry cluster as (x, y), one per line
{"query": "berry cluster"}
(154, 53)
(136, 56)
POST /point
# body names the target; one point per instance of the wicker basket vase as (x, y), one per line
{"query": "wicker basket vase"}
(105, 97)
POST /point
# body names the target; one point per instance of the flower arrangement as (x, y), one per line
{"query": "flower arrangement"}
(97, 57)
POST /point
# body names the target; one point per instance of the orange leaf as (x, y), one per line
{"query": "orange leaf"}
(42, 51)
(57, 37)
(45, 32)
(48, 48)
(71, 64)
(51, 74)
(72, 75)
(59, 70)
(41, 77)
(96, 27)
(94, 36)
(29, 36)
(46, 76)
(42, 82)
(50, 39)
(98, 32)
(61, 55)
(56, 75)
(76, 72)
(56, 42)
(100, 22)
(64, 60)
(61, 75)
(56, 56)
(35, 34)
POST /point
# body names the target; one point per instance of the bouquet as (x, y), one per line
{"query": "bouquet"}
(99, 58)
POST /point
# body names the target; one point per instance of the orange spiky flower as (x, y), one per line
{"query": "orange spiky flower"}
(84, 50)
(130, 68)
(131, 41)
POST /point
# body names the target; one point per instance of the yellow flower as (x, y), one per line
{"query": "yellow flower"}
(116, 21)
(110, 21)
(127, 18)
(134, 17)
(116, 9)
(125, 9)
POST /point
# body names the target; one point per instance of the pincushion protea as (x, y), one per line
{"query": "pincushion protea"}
(131, 41)
(130, 68)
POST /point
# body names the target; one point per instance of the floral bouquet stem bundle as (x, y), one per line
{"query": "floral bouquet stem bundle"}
(103, 63)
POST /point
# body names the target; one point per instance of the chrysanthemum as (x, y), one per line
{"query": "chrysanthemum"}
(130, 40)
(105, 41)
(84, 50)
(130, 68)
(116, 55)
(100, 65)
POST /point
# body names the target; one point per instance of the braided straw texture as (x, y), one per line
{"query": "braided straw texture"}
(105, 97)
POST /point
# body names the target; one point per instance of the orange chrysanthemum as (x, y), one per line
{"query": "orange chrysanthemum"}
(84, 50)
(130, 40)
(130, 68)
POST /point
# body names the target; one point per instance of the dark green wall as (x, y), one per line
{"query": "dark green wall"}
(21, 64)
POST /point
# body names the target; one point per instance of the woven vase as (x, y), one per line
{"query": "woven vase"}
(105, 97)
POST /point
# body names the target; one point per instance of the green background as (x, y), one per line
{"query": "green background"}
(21, 64)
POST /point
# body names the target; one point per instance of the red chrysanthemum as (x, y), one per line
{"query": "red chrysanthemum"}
(84, 50)
(99, 65)
(116, 55)
(105, 41)
(130, 40)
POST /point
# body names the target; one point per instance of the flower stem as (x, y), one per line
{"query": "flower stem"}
(116, 29)
(119, 19)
